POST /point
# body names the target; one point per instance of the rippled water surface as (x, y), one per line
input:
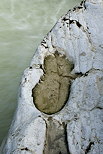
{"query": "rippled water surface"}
(23, 23)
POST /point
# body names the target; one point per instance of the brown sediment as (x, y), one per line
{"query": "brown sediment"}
(52, 91)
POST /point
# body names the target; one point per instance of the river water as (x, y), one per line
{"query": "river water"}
(23, 24)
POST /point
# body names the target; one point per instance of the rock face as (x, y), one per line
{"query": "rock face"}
(60, 105)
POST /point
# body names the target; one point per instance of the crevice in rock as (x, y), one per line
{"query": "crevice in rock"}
(89, 147)
(83, 4)
(56, 138)
(30, 67)
(65, 19)
(77, 23)
(78, 7)
(80, 74)
(96, 107)
(100, 108)
(90, 71)
(66, 141)
(44, 44)
(43, 41)
(26, 149)
(42, 67)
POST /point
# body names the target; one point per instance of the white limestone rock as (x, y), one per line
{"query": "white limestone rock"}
(79, 36)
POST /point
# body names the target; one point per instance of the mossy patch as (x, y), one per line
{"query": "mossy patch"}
(52, 91)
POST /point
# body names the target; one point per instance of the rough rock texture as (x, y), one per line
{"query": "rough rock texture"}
(52, 91)
(78, 126)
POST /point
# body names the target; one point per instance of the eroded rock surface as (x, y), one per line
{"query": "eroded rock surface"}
(52, 92)
(79, 36)
(56, 138)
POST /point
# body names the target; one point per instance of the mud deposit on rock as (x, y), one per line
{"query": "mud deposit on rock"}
(56, 138)
(52, 91)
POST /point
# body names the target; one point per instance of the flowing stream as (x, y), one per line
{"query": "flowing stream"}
(23, 24)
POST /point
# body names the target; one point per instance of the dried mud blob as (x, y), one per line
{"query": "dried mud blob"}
(51, 93)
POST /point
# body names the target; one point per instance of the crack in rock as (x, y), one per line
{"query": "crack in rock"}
(89, 147)
(56, 138)
(26, 149)
(52, 91)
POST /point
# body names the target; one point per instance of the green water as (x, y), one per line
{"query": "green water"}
(23, 23)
